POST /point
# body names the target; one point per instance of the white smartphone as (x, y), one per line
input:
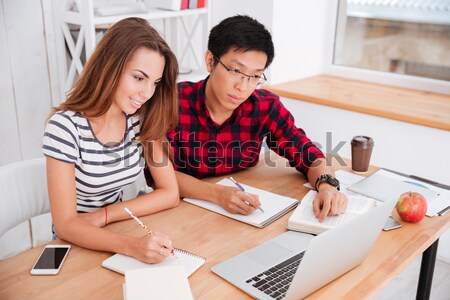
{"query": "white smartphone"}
(51, 260)
(391, 223)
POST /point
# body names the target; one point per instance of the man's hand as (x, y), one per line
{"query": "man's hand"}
(329, 202)
(235, 201)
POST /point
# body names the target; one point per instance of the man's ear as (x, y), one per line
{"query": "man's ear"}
(209, 61)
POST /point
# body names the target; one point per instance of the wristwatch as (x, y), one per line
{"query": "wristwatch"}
(328, 179)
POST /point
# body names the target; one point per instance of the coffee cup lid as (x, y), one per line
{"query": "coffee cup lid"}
(362, 140)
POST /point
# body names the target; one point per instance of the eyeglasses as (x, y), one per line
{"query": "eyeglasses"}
(237, 76)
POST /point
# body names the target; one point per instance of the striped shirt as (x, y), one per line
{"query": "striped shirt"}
(101, 171)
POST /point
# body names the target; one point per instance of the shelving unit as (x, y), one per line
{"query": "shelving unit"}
(179, 30)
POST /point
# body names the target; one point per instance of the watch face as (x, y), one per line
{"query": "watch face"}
(333, 181)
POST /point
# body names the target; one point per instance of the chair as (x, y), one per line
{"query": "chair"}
(25, 219)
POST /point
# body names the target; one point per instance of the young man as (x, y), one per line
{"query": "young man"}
(224, 118)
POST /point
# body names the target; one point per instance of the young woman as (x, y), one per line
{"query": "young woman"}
(117, 114)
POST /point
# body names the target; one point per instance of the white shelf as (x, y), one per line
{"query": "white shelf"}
(152, 14)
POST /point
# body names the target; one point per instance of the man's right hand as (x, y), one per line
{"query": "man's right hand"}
(234, 201)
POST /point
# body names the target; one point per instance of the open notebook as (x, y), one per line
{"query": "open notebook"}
(121, 263)
(304, 220)
(274, 206)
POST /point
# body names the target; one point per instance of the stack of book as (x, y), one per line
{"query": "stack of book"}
(176, 4)
(112, 9)
(128, 7)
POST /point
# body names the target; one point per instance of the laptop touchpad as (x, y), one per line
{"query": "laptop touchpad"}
(268, 253)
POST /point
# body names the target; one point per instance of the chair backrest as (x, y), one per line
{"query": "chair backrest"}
(25, 219)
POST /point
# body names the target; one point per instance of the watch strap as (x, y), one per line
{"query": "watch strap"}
(328, 179)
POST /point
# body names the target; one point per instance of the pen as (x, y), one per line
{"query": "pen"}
(444, 211)
(243, 190)
(143, 225)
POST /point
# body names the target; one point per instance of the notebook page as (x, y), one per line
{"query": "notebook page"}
(167, 282)
(272, 204)
(190, 261)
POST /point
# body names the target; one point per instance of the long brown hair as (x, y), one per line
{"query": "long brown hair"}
(93, 91)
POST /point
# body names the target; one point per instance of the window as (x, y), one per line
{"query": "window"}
(407, 39)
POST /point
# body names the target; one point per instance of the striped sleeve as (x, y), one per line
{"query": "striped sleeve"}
(61, 139)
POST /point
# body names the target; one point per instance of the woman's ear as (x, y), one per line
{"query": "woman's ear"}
(209, 61)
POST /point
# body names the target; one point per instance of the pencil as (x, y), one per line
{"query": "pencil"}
(149, 231)
(243, 190)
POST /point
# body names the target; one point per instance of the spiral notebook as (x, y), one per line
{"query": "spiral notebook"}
(274, 206)
(121, 263)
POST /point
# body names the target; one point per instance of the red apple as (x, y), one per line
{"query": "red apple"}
(411, 207)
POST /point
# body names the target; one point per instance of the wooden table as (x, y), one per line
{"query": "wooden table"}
(217, 238)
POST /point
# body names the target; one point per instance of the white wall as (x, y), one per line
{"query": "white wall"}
(25, 96)
(259, 9)
(9, 131)
(299, 43)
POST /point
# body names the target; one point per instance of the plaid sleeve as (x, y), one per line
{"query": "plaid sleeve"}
(289, 141)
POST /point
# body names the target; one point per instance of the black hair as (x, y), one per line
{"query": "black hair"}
(242, 33)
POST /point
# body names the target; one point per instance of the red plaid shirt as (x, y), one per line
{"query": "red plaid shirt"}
(203, 148)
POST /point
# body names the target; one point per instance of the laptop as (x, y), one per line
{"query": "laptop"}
(281, 268)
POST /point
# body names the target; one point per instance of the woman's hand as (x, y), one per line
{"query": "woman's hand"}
(152, 248)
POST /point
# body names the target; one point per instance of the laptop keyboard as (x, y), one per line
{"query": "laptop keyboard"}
(276, 280)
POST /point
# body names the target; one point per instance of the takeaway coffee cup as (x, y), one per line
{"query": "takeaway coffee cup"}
(361, 151)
